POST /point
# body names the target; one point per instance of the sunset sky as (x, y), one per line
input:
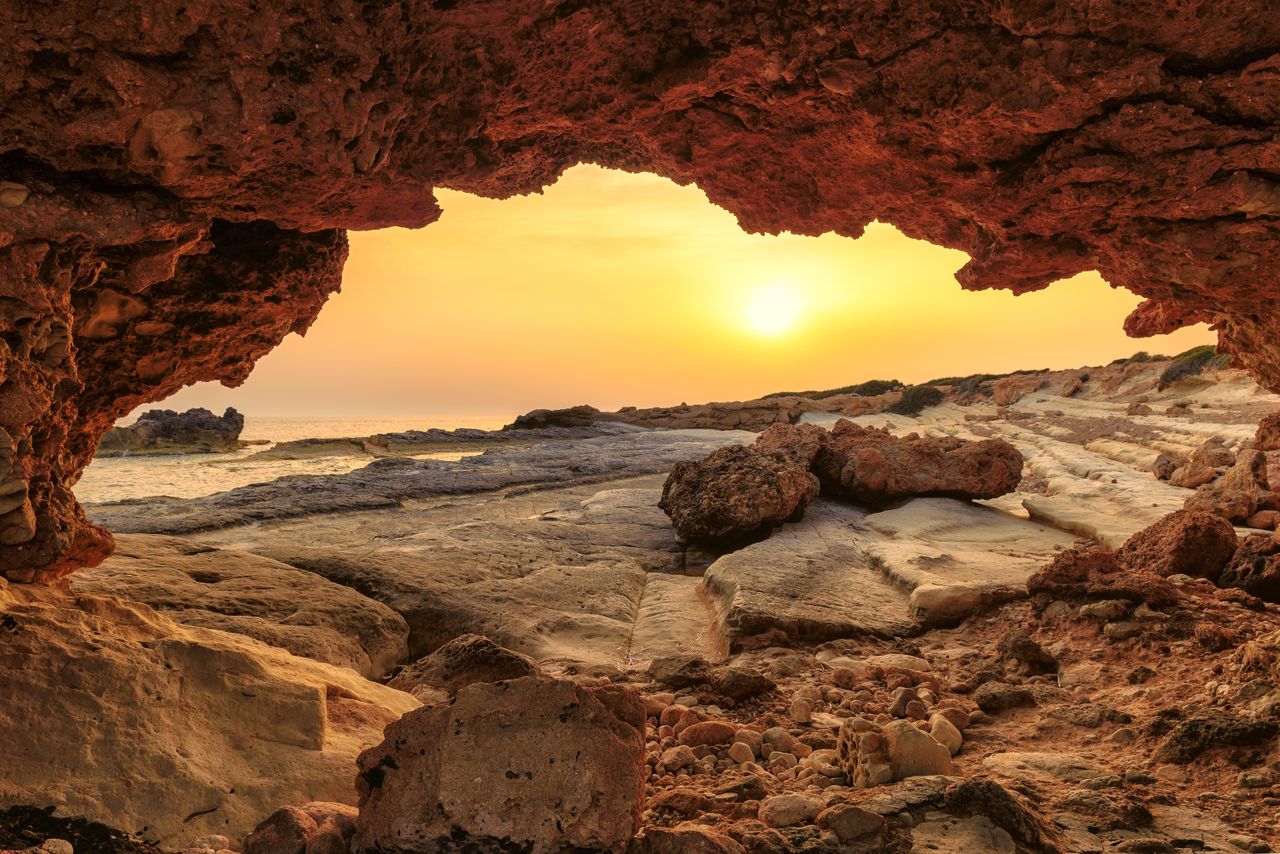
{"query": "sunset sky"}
(616, 289)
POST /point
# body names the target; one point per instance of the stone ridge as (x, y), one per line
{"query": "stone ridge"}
(175, 177)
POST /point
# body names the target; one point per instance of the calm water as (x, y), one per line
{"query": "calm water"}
(192, 475)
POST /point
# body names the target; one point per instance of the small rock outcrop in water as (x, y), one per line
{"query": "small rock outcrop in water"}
(163, 431)
(536, 764)
(739, 494)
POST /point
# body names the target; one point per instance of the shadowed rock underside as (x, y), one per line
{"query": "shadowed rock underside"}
(175, 177)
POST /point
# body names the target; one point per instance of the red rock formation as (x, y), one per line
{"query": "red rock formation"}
(171, 172)
(869, 464)
(736, 495)
(1187, 542)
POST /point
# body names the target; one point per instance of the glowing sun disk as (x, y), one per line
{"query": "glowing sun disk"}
(773, 309)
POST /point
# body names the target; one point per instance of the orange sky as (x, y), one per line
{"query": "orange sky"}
(616, 289)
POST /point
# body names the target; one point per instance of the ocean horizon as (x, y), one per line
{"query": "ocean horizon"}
(194, 475)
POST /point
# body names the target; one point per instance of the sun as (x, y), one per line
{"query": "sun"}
(773, 309)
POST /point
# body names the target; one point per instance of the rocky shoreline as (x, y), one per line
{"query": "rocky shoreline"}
(990, 626)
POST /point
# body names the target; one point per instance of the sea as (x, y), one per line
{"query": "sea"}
(194, 475)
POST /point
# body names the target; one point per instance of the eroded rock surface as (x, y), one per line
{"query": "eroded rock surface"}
(255, 596)
(736, 495)
(536, 764)
(873, 466)
(167, 221)
(119, 714)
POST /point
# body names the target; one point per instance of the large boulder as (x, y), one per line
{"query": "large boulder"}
(1255, 568)
(1268, 436)
(538, 765)
(736, 495)
(1236, 495)
(463, 661)
(1187, 542)
(113, 712)
(164, 431)
(870, 465)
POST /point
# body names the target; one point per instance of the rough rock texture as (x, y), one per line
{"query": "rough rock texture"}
(163, 431)
(871, 465)
(1255, 568)
(113, 712)
(255, 596)
(176, 177)
(1189, 542)
(736, 495)
(314, 828)
(461, 662)
(1237, 494)
(538, 764)
(873, 755)
(1268, 436)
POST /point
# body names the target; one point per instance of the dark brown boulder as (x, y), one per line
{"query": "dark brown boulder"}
(870, 465)
(1255, 568)
(314, 828)
(1091, 571)
(1187, 542)
(1166, 464)
(1268, 436)
(573, 416)
(736, 495)
(461, 662)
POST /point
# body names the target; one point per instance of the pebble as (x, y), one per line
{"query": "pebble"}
(62, 846)
(1122, 630)
(789, 810)
(708, 732)
(1108, 609)
(750, 738)
(785, 760)
(945, 733)
(1171, 773)
(677, 757)
(850, 822)
(901, 698)
(801, 711)
(1257, 779)
(741, 753)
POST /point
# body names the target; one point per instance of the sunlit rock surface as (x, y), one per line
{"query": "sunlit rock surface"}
(114, 712)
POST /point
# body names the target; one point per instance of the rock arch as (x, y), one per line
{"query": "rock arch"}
(176, 175)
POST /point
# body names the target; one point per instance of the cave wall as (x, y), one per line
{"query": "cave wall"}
(175, 176)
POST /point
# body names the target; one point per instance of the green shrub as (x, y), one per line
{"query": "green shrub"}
(870, 388)
(1191, 363)
(916, 399)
